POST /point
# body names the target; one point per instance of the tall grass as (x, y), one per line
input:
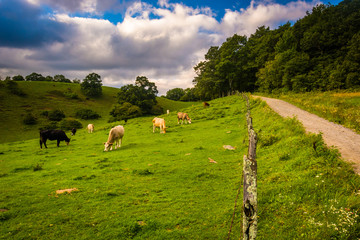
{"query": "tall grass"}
(162, 186)
(342, 108)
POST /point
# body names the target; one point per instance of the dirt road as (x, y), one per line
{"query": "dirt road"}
(344, 139)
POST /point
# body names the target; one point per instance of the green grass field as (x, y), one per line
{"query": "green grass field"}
(163, 186)
(46, 96)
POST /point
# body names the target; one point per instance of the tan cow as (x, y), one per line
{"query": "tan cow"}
(160, 123)
(90, 128)
(183, 116)
(115, 136)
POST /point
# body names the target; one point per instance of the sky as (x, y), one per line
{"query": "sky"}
(120, 40)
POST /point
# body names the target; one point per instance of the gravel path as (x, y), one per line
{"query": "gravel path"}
(344, 139)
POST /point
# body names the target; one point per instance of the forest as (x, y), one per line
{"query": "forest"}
(319, 52)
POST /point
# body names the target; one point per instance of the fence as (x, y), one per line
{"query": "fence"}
(250, 217)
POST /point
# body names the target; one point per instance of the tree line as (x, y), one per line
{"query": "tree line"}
(39, 77)
(319, 52)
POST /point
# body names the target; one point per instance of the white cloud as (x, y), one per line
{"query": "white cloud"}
(245, 21)
(163, 44)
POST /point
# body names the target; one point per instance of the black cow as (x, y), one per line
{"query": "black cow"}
(58, 135)
(73, 131)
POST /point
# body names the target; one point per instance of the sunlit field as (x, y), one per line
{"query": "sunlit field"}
(164, 186)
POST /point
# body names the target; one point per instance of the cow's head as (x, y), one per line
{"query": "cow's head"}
(189, 120)
(107, 146)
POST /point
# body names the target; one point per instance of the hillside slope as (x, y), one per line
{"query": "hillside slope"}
(164, 186)
(46, 96)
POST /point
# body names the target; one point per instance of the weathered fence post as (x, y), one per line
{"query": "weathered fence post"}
(250, 183)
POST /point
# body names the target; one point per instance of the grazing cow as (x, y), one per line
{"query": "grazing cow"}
(205, 104)
(115, 136)
(183, 116)
(160, 123)
(58, 135)
(73, 131)
(90, 128)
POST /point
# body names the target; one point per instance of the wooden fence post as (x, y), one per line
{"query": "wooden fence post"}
(250, 183)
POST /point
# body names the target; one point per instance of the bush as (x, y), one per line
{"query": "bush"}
(68, 124)
(71, 95)
(29, 119)
(124, 112)
(157, 109)
(87, 114)
(51, 125)
(56, 115)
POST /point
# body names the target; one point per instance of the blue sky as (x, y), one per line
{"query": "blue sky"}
(120, 40)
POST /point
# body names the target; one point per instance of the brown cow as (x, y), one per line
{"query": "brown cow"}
(183, 116)
(160, 123)
(205, 104)
(115, 136)
(90, 128)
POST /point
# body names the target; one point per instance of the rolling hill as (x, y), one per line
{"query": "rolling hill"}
(47, 96)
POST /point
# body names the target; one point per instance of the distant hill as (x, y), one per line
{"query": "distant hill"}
(46, 96)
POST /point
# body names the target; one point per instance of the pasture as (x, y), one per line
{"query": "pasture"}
(164, 186)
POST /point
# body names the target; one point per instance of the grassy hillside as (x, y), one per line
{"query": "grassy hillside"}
(163, 186)
(47, 96)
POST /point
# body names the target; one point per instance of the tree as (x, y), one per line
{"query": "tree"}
(18, 78)
(135, 100)
(91, 85)
(61, 78)
(35, 77)
(175, 94)
(124, 111)
(142, 94)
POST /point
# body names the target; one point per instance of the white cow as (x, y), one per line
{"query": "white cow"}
(90, 128)
(183, 116)
(160, 123)
(115, 136)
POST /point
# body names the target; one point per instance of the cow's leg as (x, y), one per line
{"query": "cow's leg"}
(154, 128)
(178, 121)
(58, 143)
(45, 143)
(40, 143)
(116, 143)
(120, 142)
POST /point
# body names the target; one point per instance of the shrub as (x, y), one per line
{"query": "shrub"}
(87, 114)
(56, 115)
(29, 119)
(51, 125)
(71, 95)
(124, 112)
(68, 124)
(157, 109)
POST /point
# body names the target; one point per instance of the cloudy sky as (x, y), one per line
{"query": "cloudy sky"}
(120, 39)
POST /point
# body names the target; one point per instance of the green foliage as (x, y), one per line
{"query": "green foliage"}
(86, 113)
(91, 85)
(13, 88)
(134, 100)
(124, 111)
(68, 124)
(18, 78)
(56, 115)
(61, 78)
(319, 52)
(175, 94)
(35, 77)
(29, 119)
